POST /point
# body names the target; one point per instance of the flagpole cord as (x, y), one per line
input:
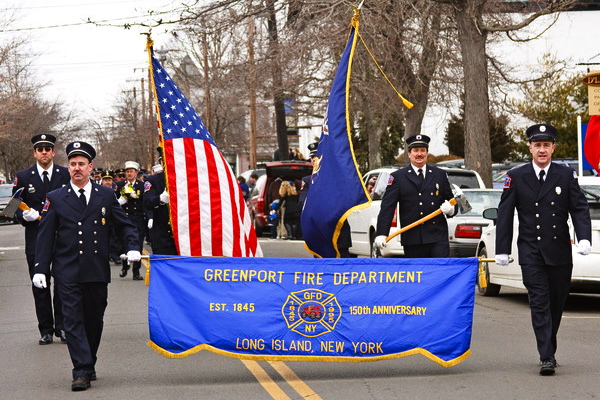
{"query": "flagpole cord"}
(406, 103)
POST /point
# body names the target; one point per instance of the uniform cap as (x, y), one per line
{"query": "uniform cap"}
(81, 149)
(132, 164)
(541, 132)
(107, 175)
(43, 139)
(418, 141)
(157, 168)
(312, 148)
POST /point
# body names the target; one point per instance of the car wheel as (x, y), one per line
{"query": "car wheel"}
(491, 289)
(258, 229)
(375, 252)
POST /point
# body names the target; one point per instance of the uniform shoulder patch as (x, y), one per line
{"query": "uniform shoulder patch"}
(46, 205)
(390, 180)
(15, 181)
(575, 174)
(147, 186)
(507, 181)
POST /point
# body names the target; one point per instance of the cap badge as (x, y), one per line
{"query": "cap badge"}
(418, 137)
(43, 136)
(542, 128)
(76, 145)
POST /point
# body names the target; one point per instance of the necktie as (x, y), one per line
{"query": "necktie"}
(82, 197)
(421, 177)
(46, 181)
(542, 173)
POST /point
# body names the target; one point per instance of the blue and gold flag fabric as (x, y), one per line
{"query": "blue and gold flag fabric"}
(312, 309)
(336, 188)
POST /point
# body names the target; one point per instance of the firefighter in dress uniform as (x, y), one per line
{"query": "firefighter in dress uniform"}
(73, 246)
(36, 182)
(156, 200)
(130, 194)
(418, 190)
(544, 194)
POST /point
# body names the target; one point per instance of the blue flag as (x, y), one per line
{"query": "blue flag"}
(336, 187)
(312, 309)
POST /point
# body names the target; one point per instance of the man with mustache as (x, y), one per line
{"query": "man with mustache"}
(418, 190)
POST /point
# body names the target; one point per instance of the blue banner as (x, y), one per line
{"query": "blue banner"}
(312, 309)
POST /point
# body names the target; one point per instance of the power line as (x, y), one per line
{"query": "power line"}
(92, 22)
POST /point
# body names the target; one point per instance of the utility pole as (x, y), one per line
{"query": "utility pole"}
(206, 85)
(251, 87)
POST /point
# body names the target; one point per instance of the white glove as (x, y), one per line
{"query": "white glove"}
(584, 247)
(447, 208)
(164, 197)
(133, 256)
(150, 223)
(39, 281)
(122, 200)
(502, 259)
(31, 215)
(380, 241)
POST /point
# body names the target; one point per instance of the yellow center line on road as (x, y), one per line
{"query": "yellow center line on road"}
(286, 373)
(299, 386)
(265, 380)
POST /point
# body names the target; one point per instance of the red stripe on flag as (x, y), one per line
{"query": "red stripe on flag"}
(172, 189)
(215, 226)
(193, 198)
(235, 196)
(591, 147)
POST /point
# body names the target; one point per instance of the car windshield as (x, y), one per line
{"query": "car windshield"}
(463, 179)
(592, 192)
(481, 200)
(6, 191)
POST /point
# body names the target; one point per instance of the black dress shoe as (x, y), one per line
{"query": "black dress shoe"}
(548, 367)
(80, 383)
(46, 339)
(63, 336)
(123, 273)
(137, 278)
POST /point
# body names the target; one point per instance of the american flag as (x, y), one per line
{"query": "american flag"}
(208, 212)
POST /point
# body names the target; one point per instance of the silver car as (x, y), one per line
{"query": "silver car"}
(464, 229)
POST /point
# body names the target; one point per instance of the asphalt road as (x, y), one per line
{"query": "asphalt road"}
(502, 364)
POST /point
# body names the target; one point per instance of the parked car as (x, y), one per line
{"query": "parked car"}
(260, 201)
(464, 229)
(499, 171)
(260, 170)
(5, 195)
(363, 222)
(586, 269)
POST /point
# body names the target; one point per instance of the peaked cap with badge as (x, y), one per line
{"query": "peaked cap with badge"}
(418, 141)
(541, 132)
(81, 149)
(43, 139)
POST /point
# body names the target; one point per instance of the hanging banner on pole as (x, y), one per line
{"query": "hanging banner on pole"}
(312, 309)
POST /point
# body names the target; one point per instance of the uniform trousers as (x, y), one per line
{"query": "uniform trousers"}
(439, 249)
(548, 289)
(83, 310)
(140, 224)
(49, 323)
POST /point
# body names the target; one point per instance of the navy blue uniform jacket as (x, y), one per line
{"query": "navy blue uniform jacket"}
(416, 201)
(34, 196)
(543, 212)
(75, 239)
